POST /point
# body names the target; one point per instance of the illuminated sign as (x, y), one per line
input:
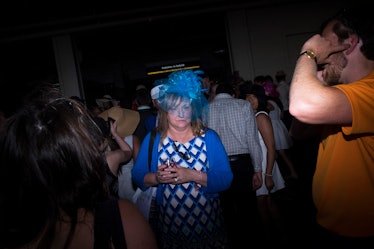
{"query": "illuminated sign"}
(172, 67)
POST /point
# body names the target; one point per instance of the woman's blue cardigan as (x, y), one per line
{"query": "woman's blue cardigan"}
(219, 173)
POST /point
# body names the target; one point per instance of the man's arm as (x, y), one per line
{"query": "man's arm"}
(311, 100)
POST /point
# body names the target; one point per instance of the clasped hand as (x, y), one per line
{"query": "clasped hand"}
(169, 174)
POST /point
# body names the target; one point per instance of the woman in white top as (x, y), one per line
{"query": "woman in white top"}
(273, 181)
(283, 140)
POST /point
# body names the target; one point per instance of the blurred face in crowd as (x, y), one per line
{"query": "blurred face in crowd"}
(253, 100)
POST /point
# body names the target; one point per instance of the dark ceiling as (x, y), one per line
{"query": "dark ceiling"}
(135, 32)
(29, 19)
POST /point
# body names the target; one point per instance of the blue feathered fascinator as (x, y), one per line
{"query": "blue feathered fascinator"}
(184, 84)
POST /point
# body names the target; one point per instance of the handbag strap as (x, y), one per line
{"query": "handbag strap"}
(152, 139)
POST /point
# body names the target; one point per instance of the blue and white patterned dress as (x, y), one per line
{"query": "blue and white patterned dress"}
(189, 219)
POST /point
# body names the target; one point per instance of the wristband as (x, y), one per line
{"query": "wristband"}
(310, 54)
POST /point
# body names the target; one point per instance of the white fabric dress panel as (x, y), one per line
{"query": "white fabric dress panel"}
(125, 187)
(282, 138)
(279, 182)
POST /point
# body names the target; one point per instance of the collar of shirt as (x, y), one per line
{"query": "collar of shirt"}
(223, 96)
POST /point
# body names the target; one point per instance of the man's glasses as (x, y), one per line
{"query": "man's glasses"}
(185, 155)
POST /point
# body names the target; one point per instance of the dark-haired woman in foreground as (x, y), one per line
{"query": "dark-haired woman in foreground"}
(53, 192)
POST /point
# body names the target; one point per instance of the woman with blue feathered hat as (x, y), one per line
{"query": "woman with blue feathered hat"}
(189, 167)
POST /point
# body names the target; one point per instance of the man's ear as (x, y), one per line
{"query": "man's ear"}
(352, 41)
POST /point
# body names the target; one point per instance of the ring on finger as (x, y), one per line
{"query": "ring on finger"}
(176, 179)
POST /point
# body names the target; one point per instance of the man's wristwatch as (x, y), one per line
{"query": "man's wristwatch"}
(310, 54)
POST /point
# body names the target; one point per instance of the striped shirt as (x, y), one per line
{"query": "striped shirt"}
(234, 121)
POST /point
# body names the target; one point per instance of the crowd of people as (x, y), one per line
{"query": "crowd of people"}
(226, 152)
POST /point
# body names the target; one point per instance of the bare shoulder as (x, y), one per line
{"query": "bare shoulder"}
(262, 116)
(138, 232)
(263, 121)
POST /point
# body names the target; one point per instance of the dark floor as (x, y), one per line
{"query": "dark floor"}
(298, 213)
(296, 199)
(295, 203)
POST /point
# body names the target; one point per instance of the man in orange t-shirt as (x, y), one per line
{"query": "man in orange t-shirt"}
(343, 183)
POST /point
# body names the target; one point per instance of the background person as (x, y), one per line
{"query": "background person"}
(269, 211)
(106, 102)
(123, 123)
(152, 121)
(283, 140)
(126, 121)
(234, 121)
(115, 150)
(283, 88)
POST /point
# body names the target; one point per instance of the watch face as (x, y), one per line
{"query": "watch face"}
(310, 55)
